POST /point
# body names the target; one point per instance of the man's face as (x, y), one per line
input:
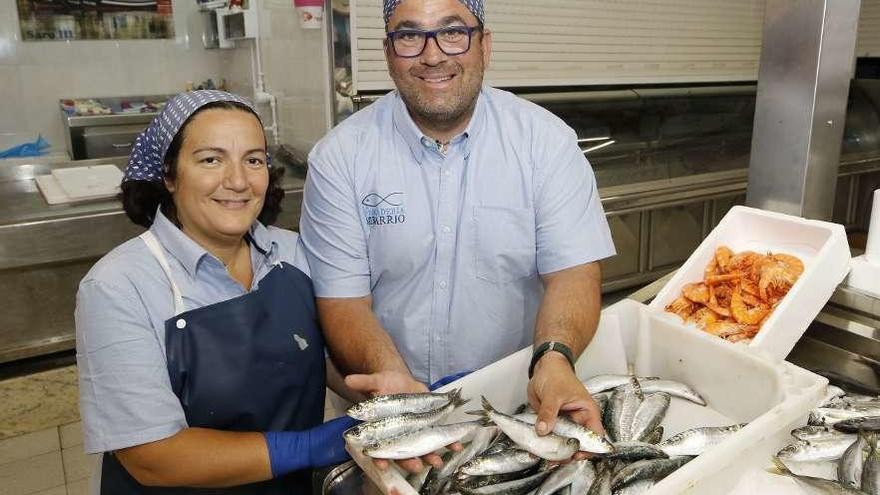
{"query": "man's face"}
(436, 87)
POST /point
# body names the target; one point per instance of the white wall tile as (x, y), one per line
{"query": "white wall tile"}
(34, 474)
(29, 445)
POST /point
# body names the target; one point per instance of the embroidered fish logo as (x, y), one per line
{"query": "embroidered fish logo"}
(374, 200)
(301, 342)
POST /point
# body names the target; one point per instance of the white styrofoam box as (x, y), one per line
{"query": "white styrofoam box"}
(822, 246)
(739, 386)
(864, 275)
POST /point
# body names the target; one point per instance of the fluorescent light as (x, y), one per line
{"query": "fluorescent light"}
(599, 146)
(587, 140)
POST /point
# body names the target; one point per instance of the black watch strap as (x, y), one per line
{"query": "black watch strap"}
(546, 347)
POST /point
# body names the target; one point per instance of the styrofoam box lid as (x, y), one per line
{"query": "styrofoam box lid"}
(822, 246)
(739, 386)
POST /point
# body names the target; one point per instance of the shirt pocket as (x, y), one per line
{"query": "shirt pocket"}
(505, 243)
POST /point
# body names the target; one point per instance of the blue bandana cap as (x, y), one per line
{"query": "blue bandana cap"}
(475, 6)
(146, 162)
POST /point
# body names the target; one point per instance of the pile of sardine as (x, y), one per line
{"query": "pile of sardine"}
(844, 429)
(503, 454)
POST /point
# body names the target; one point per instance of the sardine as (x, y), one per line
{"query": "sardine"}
(650, 414)
(501, 443)
(871, 469)
(622, 408)
(417, 480)
(634, 451)
(582, 481)
(812, 484)
(552, 447)
(514, 487)
(602, 484)
(653, 469)
(384, 406)
(392, 426)
(438, 478)
(810, 433)
(850, 465)
(589, 440)
(673, 388)
(831, 415)
(601, 383)
(816, 450)
(696, 440)
(420, 442)
(866, 423)
(508, 461)
(566, 475)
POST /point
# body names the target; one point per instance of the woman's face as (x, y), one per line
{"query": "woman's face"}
(222, 175)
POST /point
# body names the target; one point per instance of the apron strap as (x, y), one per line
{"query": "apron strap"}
(159, 253)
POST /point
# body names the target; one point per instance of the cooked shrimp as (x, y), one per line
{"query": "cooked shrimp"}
(697, 293)
(719, 299)
(682, 306)
(721, 279)
(742, 313)
(723, 254)
(778, 273)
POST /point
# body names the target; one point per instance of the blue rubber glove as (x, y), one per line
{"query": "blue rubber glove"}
(448, 379)
(318, 447)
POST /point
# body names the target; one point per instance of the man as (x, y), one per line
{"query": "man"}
(450, 224)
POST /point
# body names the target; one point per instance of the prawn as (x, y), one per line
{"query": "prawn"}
(742, 313)
(697, 293)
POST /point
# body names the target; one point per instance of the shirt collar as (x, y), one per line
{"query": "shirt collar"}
(420, 144)
(190, 254)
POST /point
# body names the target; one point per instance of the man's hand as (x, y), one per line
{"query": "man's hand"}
(384, 383)
(554, 387)
(395, 382)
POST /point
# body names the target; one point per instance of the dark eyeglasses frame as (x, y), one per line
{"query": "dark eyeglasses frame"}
(433, 34)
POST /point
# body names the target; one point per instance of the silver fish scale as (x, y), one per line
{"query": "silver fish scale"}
(696, 440)
(815, 451)
(507, 461)
(647, 469)
(421, 442)
(552, 447)
(514, 487)
(601, 383)
(396, 404)
(566, 475)
(392, 426)
(438, 478)
(871, 469)
(852, 462)
(589, 440)
(649, 415)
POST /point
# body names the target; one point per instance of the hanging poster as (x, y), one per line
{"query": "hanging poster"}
(67, 20)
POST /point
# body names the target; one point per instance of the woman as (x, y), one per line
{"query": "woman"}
(201, 363)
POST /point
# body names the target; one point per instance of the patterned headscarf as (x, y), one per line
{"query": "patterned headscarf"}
(475, 6)
(148, 154)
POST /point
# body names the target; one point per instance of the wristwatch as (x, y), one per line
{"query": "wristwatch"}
(546, 347)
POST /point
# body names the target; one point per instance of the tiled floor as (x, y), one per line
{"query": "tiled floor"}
(41, 451)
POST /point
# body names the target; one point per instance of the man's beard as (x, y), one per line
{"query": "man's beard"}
(448, 111)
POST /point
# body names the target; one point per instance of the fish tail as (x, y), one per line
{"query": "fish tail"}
(486, 405)
(457, 400)
(634, 381)
(779, 467)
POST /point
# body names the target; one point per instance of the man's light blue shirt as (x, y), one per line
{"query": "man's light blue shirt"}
(450, 243)
(121, 308)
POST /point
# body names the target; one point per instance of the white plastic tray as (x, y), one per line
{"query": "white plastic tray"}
(822, 246)
(739, 386)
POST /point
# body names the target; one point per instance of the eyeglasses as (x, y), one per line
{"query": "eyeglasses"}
(453, 40)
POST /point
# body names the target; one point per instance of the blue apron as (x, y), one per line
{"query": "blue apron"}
(252, 363)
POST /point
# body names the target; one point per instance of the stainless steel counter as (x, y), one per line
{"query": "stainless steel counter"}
(45, 250)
